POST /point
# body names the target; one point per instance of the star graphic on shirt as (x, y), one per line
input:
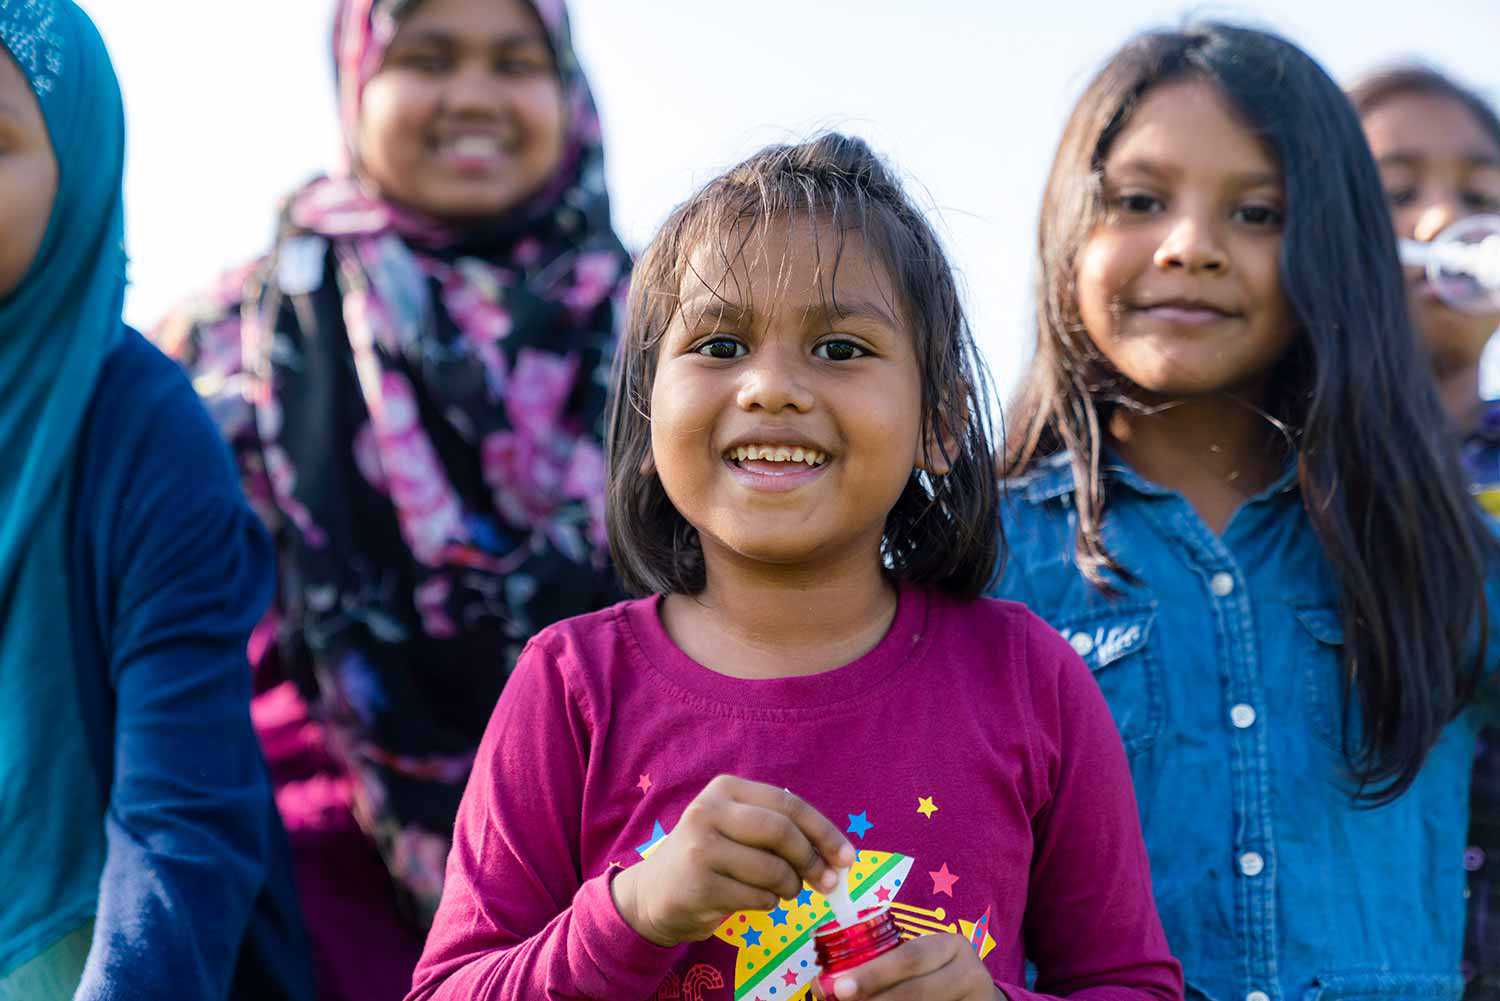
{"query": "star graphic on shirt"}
(926, 807)
(752, 937)
(804, 898)
(882, 894)
(644, 785)
(778, 916)
(859, 823)
(943, 880)
(657, 833)
(789, 978)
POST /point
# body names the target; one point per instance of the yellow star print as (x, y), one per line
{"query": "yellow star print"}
(926, 807)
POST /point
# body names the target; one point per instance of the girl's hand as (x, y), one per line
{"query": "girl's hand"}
(740, 846)
(929, 968)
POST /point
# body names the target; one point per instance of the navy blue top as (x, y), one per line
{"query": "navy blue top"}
(196, 898)
(1221, 665)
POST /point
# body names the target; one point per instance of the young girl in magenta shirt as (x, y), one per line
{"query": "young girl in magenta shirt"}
(800, 476)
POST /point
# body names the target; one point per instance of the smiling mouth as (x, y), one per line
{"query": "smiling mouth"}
(1189, 313)
(472, 147)
(790, 456)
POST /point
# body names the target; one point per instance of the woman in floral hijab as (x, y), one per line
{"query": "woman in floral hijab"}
(413, 382)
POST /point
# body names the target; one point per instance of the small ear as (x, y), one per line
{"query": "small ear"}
(939, 449)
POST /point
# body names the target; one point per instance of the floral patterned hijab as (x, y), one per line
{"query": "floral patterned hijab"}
(417, 414)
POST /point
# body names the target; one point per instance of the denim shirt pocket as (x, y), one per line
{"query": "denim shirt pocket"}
(1321, 653)
(1115, 644)
(1383, 985)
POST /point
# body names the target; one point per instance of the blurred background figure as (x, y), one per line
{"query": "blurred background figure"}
(1438, 147)
(138, 837)
(413, 381)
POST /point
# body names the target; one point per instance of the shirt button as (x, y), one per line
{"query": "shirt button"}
(1083, 643)
(1257, 996)
(1251, 864)
(1242, 716)
(1222, 585)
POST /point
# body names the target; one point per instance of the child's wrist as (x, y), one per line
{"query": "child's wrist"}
(623, 890)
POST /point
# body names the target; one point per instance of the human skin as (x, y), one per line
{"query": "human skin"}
(465, 118)
(28, 176)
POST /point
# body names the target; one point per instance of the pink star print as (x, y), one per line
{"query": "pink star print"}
(789, 978)
(644, 785)
(882, 894)
(943, 880)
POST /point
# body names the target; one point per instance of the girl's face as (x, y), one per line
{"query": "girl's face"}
(1178, 284)
(1439, 165)
(784, 421)
(465, 118)
(28, 176)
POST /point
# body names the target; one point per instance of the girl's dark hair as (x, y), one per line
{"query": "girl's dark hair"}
(1422, 81)
(1379, 476)
(944, 529)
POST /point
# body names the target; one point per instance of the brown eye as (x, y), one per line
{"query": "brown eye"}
(722, 348)
(1258, 215)
(1138, 204)
(429, 61)
(839, 350)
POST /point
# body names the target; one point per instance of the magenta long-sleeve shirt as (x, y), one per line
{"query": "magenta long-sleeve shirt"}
(969, 756)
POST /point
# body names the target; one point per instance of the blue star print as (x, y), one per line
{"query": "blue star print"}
(859, 823)
(752, 937)
(804, 898)
(778, 916)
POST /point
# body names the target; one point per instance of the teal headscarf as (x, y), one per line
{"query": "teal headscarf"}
(56, 329)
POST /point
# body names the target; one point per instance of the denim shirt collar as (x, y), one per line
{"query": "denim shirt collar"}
(1052, 478)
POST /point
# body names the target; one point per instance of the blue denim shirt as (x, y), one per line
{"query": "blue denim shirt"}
(1221, 665)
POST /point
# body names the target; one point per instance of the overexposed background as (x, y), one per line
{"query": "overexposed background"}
(231, 105)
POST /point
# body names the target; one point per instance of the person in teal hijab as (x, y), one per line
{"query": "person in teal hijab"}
(140, 853)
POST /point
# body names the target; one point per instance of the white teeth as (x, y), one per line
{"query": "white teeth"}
(475, 146)
(778, 453)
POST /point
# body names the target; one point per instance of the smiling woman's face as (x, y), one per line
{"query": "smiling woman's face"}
(28, 176)
(465, 118)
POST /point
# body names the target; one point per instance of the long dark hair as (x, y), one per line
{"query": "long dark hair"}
(944, 530)
(1379, 477)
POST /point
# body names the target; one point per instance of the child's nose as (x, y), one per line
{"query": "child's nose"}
(1191, 245)
(774, 385)
(1435, 216)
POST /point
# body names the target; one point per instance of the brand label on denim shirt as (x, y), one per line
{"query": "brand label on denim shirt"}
(1104, 645)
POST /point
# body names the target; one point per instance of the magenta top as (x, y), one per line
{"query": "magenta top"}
(969, 756)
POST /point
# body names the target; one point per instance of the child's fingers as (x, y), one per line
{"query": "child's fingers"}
(829, 848)
(928, 967)
(725, 895)
(754, 867)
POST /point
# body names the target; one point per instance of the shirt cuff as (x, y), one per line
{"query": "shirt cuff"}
(625, 961)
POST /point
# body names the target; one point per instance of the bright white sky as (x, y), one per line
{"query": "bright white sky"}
(230, 106)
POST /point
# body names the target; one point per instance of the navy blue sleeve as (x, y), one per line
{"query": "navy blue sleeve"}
(183, 572)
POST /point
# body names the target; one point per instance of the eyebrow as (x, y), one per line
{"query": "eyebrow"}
(860, 309)
(703, 305)
(437, 36)
(1249, 179)
(1407, 158)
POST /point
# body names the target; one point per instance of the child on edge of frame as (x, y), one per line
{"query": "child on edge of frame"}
(1437, 144)
(1233, 486)
(801, 478)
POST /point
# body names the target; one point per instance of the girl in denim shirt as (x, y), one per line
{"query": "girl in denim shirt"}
(1231, 492)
